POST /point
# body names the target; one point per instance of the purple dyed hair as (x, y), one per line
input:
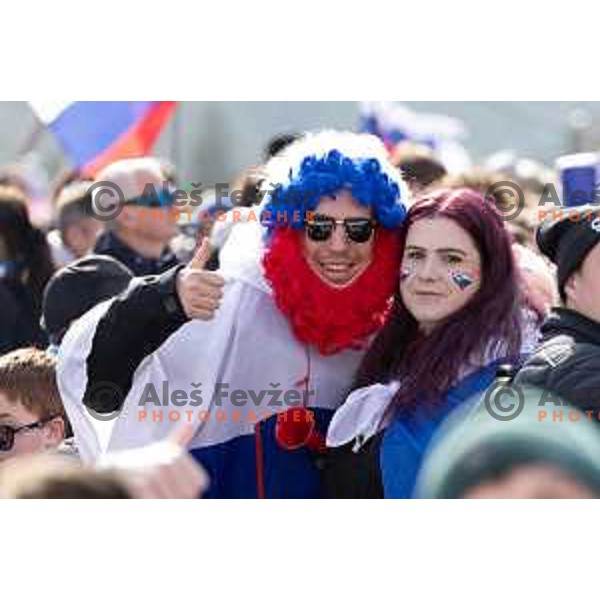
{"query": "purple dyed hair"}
(430, 365)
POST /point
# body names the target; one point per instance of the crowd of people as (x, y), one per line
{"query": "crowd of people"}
(335, 330)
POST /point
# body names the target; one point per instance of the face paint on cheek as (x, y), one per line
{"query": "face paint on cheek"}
(464, 280)
(406, 273)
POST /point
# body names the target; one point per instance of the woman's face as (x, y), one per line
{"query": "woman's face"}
(441, 270)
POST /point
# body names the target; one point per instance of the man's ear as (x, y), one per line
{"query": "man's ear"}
(571, 288)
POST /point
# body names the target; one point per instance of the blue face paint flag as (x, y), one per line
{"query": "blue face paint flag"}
(462, 280)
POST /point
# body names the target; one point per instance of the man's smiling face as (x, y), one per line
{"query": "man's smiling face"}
(338, 260)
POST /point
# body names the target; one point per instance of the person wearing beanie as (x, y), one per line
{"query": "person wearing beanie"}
(140, 233)
(258, 355)
(532, 456)
(78, 287)
(567, 360)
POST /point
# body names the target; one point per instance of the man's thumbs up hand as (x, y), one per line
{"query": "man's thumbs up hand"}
(200, 291)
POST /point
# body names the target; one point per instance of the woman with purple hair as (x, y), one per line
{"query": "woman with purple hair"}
(456, 317)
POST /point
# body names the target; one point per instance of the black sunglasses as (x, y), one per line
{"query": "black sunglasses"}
(8, 432)
(359, 230)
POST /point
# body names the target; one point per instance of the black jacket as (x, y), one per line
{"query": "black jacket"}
(137, 323)
(19, 320)
(567, 362)
(357, 475)
(110, 244)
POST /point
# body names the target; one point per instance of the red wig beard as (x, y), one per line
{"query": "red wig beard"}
(332, 319)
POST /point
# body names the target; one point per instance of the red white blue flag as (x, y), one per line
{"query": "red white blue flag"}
(94, 134)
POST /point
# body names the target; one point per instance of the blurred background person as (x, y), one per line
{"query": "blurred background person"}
(25, 268)
(278, 143)
(243, 202)
(485, 181)
(537, 277)
(532, 456)
(211, 214)
(77, 227)
(532, 175)
(418, 165)
(139, 236)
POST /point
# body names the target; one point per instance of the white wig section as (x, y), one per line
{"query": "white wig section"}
(284, 167)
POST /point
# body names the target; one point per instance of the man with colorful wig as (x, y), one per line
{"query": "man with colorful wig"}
(258, 355)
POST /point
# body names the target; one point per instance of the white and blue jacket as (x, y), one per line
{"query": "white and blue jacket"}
(125, 351)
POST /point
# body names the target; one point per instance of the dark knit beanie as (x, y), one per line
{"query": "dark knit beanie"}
(78, 287)
(567, 236)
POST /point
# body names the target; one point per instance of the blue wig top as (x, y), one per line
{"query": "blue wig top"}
(324, 163)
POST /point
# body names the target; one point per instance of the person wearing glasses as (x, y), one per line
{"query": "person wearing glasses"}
(457, 317)
(140, 232)
(258, 355)
(32, 416)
